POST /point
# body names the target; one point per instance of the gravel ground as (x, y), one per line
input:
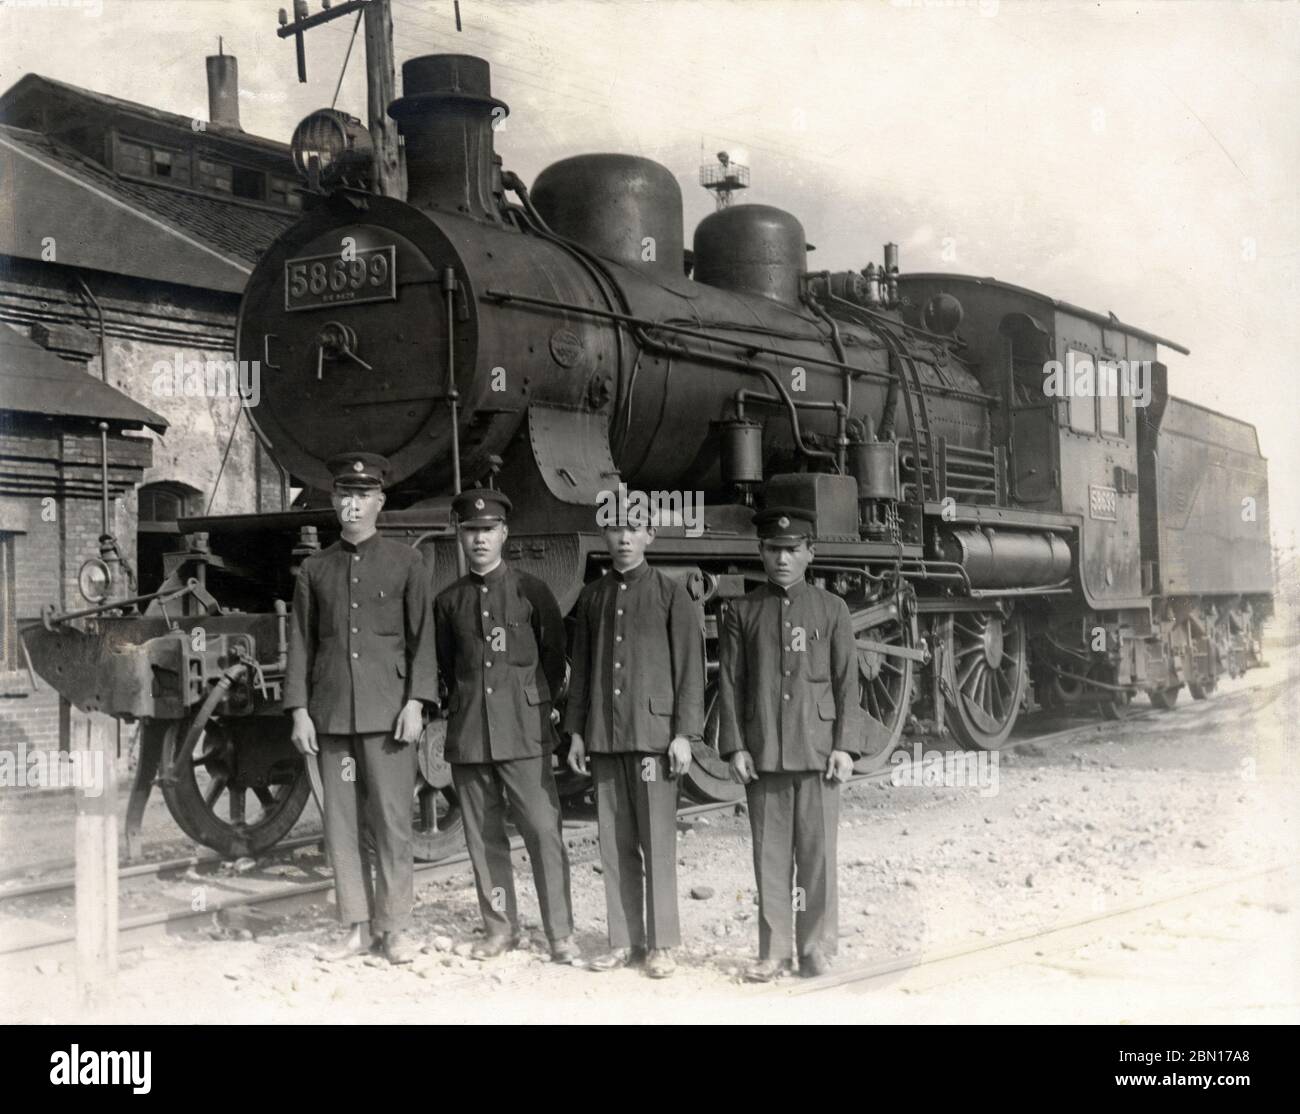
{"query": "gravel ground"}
(1200, 794)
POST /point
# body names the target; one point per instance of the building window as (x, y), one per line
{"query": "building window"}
(214, 175)
(248, 183)
(162, 503)
(11, 655)
(146, 160)
(285, 192)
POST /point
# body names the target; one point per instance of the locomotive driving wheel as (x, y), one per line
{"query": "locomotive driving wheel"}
(886, 683)
(984, 673)
(438, 826)
(207, 789)
(709, 779)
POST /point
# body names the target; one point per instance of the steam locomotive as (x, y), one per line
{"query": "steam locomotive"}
(992, 537)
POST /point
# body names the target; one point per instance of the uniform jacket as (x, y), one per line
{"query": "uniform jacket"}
(501, 647)
(638, 664)
(361, 636)
(789, 706)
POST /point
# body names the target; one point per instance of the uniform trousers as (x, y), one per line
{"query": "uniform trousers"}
(528, 784)
(636, 815)
(793, 816)
(368, 783)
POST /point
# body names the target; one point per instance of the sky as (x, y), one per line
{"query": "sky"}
(1138, 157)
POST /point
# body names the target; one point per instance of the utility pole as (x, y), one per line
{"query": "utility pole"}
(381, 91)
(388, 174)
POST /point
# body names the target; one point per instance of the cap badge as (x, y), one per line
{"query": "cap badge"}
(357, 466)
(783, 522)
(479, 504)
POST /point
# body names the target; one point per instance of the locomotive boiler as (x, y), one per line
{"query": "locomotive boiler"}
(990, 538)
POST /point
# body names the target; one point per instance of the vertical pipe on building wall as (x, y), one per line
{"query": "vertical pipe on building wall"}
(103, 351)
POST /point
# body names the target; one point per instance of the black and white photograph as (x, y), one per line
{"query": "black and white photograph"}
(650, 512)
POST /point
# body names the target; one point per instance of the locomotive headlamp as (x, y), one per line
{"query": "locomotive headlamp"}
(329, 146)
(94, 580)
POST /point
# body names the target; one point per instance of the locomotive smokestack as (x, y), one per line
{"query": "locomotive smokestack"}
(446, 115)
(223, 89)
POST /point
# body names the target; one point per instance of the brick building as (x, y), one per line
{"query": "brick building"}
(127, 236)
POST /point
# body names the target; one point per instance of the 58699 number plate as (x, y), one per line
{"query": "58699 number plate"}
(329, 280)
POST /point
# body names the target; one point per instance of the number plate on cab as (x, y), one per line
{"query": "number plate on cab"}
(315, 281)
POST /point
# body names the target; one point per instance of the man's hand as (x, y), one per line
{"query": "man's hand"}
(304, 732)
(679, 756)
(577, 754)
(742, 767)
(410, 722)
(840, 766)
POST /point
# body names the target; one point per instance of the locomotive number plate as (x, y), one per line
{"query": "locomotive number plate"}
(315, 281)
(1101, 502)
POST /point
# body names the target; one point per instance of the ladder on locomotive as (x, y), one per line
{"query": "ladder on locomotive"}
(918, 413)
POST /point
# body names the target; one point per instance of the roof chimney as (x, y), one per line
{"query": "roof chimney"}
(223, 89)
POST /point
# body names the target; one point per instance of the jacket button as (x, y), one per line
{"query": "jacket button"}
(618, 665)
(355, 580)
(622, 587)
(619, 611)
(618, 638)
(355, 631)
(355, 654)
(355, 606)
(787, 624)
(356, 556)
(489, 690)
(785, 603)
(787, 673)
(488, 663)
(618, 692)
(486, 614)
(785, 696)
(483, 589)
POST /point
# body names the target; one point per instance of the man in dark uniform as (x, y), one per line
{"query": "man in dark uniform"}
(501, 647)
(636, 700)
(789, 697)
(362, 660)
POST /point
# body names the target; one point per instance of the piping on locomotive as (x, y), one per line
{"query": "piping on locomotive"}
(990, 537)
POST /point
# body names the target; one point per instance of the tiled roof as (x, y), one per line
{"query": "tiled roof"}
(235, 229)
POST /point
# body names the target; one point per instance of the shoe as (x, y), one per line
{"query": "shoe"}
(767, 970)
(814, 964)
(566, 951)
(619, 957)
(400, 947)
(660, 964)
(355, 943)
(493, 945)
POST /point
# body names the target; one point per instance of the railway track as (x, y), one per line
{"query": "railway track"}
(26, 911)
(997, 954)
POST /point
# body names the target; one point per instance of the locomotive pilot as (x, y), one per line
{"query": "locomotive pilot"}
(362, 662)
(501, 650)
(636, 701)
(788, 699)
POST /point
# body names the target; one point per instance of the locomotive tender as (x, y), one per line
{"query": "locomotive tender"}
(987, 535)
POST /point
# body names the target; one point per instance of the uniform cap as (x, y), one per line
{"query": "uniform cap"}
(357, 470)
(481, 506)
(785, 525)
